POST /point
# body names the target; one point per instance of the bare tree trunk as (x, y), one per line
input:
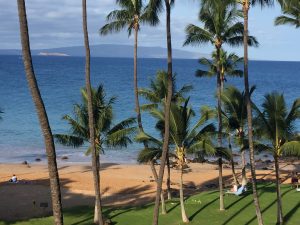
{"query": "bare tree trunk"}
(162, 198)
(219, 90)
(42, 116)
(183, 213)
(167, 115)
(98, 219)
(278, 192)
(246, 6)
(169, 178)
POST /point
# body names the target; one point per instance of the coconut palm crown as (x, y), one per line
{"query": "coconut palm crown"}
(221, 26)
(156, 94)
(228, 64)
(130, 16)
(106, 134)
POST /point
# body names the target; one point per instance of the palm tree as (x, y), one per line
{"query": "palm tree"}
(235, 113)
(228, 66)
(245, 8)
(291, 14)
(184, 138)
(156, 6)
(220, 26)
(106, 134)
(42, 116)
(276, 123)
(98, 218)
(132, 14)
(156, 96)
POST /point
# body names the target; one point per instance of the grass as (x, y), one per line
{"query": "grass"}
(201, 209)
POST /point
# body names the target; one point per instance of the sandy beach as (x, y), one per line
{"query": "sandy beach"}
(122, 185)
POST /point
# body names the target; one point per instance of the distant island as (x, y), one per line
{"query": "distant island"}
(109, 50)
(52, 54)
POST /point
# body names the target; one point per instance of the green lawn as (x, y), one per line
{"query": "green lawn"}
(201, 208)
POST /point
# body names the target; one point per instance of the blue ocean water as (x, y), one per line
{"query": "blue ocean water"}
(60, 79)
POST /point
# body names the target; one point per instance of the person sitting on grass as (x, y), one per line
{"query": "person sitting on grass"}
(13, 179)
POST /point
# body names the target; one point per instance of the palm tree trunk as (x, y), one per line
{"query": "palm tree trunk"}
(169, 178)
(167, 115)
(98, 219)
(221, 184)
(135, 81)
(162, 198)
(235, 180)
(246, 6)
(42, 116)
(244, 178)
(138, 111)
(183, 213)
(279, 202)
(219, 90)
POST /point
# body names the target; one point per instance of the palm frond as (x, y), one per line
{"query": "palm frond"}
(196, 35)
(69, 140)
(147, 154)
(291, 148)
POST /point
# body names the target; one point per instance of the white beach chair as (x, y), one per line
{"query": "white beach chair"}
(298, 188)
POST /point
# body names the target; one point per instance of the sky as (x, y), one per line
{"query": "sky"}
(58, 23)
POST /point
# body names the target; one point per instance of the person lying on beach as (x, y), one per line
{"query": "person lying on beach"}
(238, 192)
(13, 179)
(234, 188)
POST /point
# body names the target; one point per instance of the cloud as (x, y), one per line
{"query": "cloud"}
(58, 23)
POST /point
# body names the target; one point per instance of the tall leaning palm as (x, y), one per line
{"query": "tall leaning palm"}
(98, 219)
(246, 7)
(156, 6)
(42, 116)
(132, 14)
(221, 26)
(276, 124)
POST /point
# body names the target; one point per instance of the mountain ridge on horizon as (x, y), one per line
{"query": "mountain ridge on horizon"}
(109, 50)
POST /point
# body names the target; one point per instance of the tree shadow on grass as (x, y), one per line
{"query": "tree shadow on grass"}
(203, 207)
(291, 212)
(262, 188)
(272, 190)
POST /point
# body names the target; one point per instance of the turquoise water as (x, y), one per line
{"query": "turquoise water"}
(60, 79)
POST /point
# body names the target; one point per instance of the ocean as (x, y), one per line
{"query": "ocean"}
(60, 79)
